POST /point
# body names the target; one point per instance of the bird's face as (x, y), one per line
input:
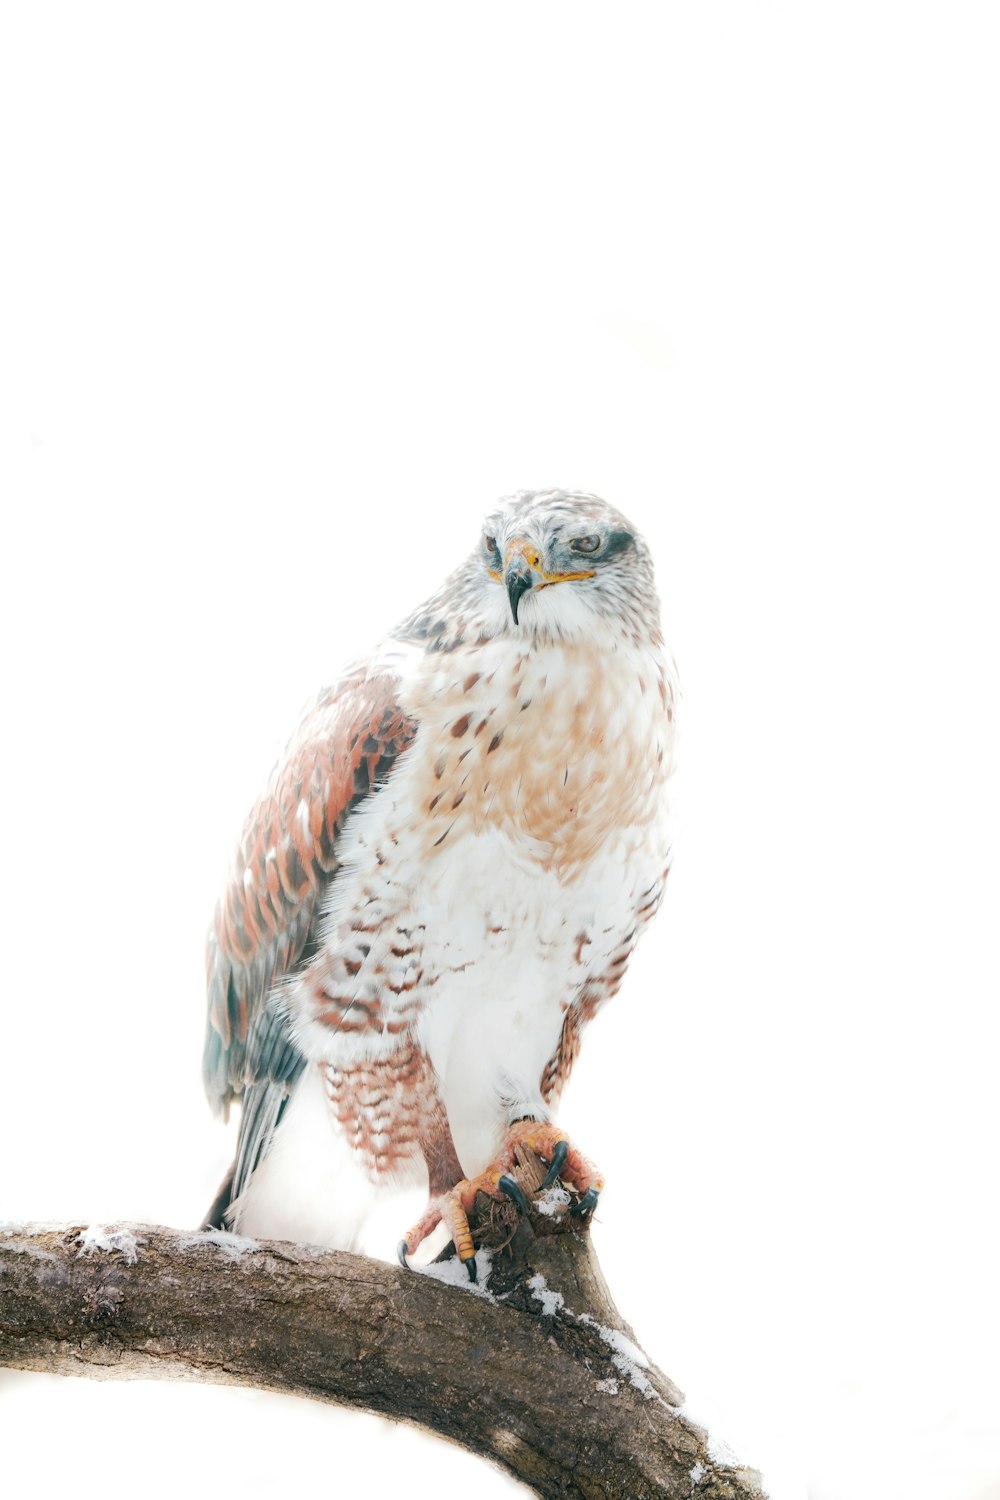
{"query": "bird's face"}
(551, 562)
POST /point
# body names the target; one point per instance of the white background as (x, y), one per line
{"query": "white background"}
(290, 294)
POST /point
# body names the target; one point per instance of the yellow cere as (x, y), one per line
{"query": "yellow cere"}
(532, 557)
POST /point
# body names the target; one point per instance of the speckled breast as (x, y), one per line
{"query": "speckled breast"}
(560, 747)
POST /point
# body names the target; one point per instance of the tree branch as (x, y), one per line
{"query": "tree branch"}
(536, 1371)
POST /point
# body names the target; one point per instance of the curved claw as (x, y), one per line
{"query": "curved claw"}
(587, 1203)
(401, 1250)
(470, 1266)
(559, 1151)
(514, 1191)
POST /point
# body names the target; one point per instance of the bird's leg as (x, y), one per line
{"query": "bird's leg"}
(498, 1180)
(425, 1225)
(453, 1208)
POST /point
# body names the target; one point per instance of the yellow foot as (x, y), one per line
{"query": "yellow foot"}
(453, 1208)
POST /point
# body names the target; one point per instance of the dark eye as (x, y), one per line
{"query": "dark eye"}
(585, 544)
(491, 549)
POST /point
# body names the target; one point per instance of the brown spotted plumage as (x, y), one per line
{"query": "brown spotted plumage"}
(391, 1109)
(444, 881)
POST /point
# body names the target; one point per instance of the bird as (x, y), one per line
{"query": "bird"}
(442, 884)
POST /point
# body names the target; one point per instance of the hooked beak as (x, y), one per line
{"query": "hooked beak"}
(519, 578)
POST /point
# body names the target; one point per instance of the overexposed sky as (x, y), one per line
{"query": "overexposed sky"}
(289, 295)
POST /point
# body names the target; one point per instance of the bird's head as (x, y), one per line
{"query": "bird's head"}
(551, 563)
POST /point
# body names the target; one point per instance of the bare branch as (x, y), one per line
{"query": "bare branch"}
(537, 1372)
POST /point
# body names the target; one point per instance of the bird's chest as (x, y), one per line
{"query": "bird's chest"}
(558, 750)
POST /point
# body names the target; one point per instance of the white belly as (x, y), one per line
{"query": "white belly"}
(505, 951)
(502, 958)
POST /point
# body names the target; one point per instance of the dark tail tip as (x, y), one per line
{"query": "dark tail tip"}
(216, 1216)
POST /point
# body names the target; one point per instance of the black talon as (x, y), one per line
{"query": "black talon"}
(470, 1266)
(514, 1192)
(401, 1250)
(587, 1203)
(555, 1165)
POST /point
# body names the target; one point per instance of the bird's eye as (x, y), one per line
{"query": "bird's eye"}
(585, 544)
(491, 549)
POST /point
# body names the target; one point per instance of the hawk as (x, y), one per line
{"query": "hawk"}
(443, 882)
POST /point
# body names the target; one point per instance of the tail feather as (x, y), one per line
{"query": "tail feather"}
(263, 1105)
(216, 1216)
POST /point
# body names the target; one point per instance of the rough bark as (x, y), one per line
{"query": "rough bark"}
(535, 1377)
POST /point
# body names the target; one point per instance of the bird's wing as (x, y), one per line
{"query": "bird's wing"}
(264, 923)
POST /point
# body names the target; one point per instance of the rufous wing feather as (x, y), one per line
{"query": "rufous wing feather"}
(343, 750)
